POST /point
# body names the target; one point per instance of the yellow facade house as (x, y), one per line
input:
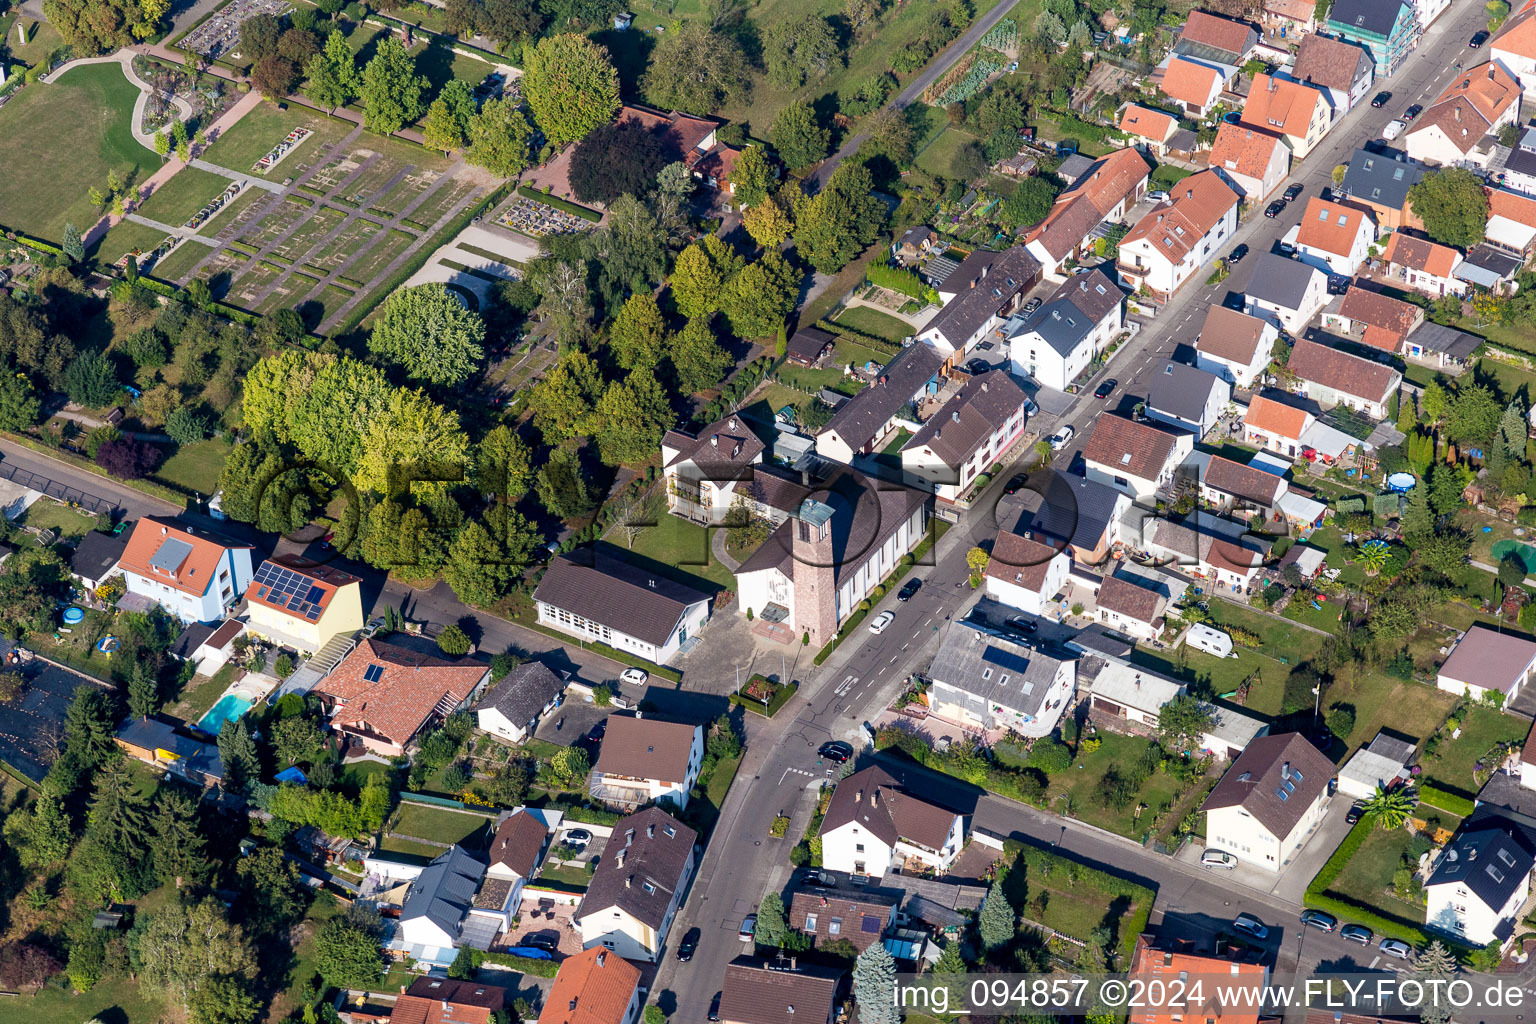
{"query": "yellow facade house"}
(301, 605)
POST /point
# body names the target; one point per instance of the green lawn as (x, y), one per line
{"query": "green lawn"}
(199, 695)
(409, 851)
(125, 237)
(440, 824)
(42, 41)
(872, 321)
(1081, 787)
(196, 467)
(47, 514)
(186, 193)
(939, 158)
(677, 542)
(116, 998)
(565, 875)
(63, 138)
(180, 262)
(262, 128)
(1367, 877)
(1450, 767)
(1383, 702)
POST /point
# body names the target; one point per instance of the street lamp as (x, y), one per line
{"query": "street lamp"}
(1317, 699)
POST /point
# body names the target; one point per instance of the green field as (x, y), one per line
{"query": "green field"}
(1367, 877)
(939, 158)
(47, 514)
(1080, 788)
(181, 197)
(196, 467)
(180, 262)
(61, 139)
(872, 321)
(262, 128)
(124, 237)
(439, 824)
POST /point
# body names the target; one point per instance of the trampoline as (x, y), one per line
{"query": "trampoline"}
(107, 644)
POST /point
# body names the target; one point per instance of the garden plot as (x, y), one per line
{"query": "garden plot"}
(339, 170)
(415, 183)
(290, 293)
(352, 240)
(240, 214)
(124, 237)
(449, 196)
(379, 172)
(247, 289)
(277, 219)
(297, 245)
(225, 264)
(383, 251)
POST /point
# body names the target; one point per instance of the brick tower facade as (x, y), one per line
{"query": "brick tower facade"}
(815, 574)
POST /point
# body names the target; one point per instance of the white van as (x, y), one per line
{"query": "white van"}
(1210, 640)
(1393, 130)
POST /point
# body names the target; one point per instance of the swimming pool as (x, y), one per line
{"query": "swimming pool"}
(230, 707)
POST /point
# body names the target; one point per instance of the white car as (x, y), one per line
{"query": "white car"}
(1393, 130)
(637, 676)
(1217, 859)
(882, 620)
(1062, 438)
(1157, 195)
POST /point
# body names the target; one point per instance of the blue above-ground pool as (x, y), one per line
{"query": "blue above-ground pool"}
(230, 707)
(72, 615)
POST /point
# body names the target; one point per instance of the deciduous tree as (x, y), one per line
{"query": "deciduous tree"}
(797, 135)
(183, 949)
(759, 297)
(563, 401)
(631, 415)
(619, 159)
(769, 222)
(697, 359)
(391, 88)
(427, 332)
(499, 137)
(753, 176)
(449, 116)
(1452, 205)
(636, 337)
(694, 69)
(570, 86)
(837, 223)
(797, 50)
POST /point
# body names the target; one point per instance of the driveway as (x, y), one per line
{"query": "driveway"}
(1290, 883)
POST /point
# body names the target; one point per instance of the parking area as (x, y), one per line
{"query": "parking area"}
(31, 728)
(543, 921)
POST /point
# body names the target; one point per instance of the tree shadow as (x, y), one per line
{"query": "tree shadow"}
(631, 54)
(311, 312)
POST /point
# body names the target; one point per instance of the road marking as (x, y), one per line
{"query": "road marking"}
(846, 685)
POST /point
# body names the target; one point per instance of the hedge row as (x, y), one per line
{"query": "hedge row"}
(898, 279)
(528, 191)
(1436, 797)
(1318, 896)
(36, 243)
(523, 964)
(453, 42)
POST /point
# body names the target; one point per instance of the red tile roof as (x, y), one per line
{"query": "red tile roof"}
(391, 692)
(195, 557)
(1222, 33)
(1421, 254)
(1276, 417)
(1195, 206)
(1347, 374)
(1243, 149)
(1331, 227)
(1518, 34)
(1277, 105)
(1393, 316)
(320, 583)
(593, 987)
(1512, 206)
(1148, 123)
(1188, 82)
(1150, 965)
(1021, 560)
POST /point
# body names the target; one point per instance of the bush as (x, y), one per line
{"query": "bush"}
(283, 666)
(502, 665)
(130, 460)
(1050, 756)
(453, 641)
(187, 427)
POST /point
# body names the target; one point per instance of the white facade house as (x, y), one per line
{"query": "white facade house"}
(1514, 46)
(1131, 605)
(1298, 112)
(874, 824)
(1187, 397)
(593, 596)
(1246, 814)
(1137, 458)
(1252, 161)
(188, 572)
(1026, 573)
(1333, 237)
(644, 761)
(512, 708)
(1235, 346)
(1478, 102)
(983, 681)
(1424, 266)
(1486, 661)
(633, 897)
(1286, 292)
(1179, 236)
(1480, 884)
(1331, 377)
(978, 296)
(447, 905)
(704, 470)
(1343, 70)
(972, 431)
(1056, 342)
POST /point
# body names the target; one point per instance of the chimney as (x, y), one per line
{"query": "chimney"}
(874, 799)
(955, 415)
(1458, 113)
(733, 422)
(714, 440)
(791, 963)
(445, 1006)
(650, 831)
(628, 879)
(602, 958)
(858, 797)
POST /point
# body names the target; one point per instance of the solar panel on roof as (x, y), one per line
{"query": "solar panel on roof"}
(373, 673)
(314, 595)
(1004, 659)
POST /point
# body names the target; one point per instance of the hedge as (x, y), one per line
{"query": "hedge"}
(780, 698)
(1436, 797)
(900, 280)
(1036, 859)
(867, 340)
(453, 42)
(1318, 897)
(529, 192)
(36, 243)
(523, 964)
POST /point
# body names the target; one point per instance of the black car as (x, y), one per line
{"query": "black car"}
(1353, 814)
(1338, 284)
(714, 1007)
(1274, 209)
(1292, 191)
(1413, 112)
(1016, 483)
(1478, 40)
(976, 367)
(547, 943)
(1021, 625)
(1105, 388)
(1381, 99)
(595, 734)
(1237, 254)
(815, 878)
(908, 589)
(836, 751)
(688, 946)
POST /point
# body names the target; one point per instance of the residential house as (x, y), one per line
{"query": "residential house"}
(1168, 969)
(1375, 320)
(1071, 329)
(594, 987)
(855, 913)
(516, 851)
(446, 1001)
(830, 552)
(1511, 225)
(633, 897)
(973, 430)
(1286, 292)
(383, 696)
(1125, 697)
(1387, 28)
(1252, 161)
(297, 603)
(1269, 801)
(1490, 267)
(1514, 45)
(1082, 514)
(1138, 458)
(1235, 346)
(810, 347)
(1333, 237)
(1381, 183)
(593, 595)
(1215, 39)
(211, 652)
(1520, 165)
(868, 420)
(645, 760)
(873, 824)
(512, 708)
(1233, 487)
(1444, 348)
(191, 573)
(1187, 397)
(450, 903)
(1207, 546)
(762, 991)
(914, 243)
(1026, 573)
(96, 557)
(166, 744)
(1477, 103)
(1425, 266)
(1290, 17)
(1343, 70)
(1193, 86)
(1486, 661)
(1480, 884)
(1330, 377)
(1276, 424)
(1151, 128)
(1127, 606)
(984, 681)
(1298, 113)
(710, 160)
(984, 299)
(1177, 237)
(1103, 194)
(704, 469)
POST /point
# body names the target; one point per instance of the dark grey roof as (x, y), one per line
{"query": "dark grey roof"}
(1275, 779)
(156, 734)
(1072, 168)
(1101, 640)
(1490, 260)
(591, 583)
(1439, 338)
(992, 670)
(1181, 391)
(1009, 273)
(1183, 141)
(1375, 16)
(1075, 510)
(1280, 280)
(1387, 745)
(1381, 179)
(1205, 52)
(979, 408)
(858, 422)
(808, 343)
(445, 890)
(1521, 161)
(97, 553)
(1489, 859)
(524, 692)
(642, 868)
(190, 640)
(1074, 310)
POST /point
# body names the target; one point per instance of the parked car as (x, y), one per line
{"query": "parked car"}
(688, 946)
(1022, 625)
(1157, 195)
(1393, 130)
(748, 928)
(714, 1007)
(1106, 388)
(1381, 99)
(1292, 191)
(1478, 39)
(1062, 437)
(1356, 933)
(635, 676)
(577, 837)
(815, 878)
(1016, 483)
(1274, 209)
(976, 367)
(1353, 814)
(1237, 253)
(1287, 250)
(1031, 305)
(1397, 948)
(1251, 925)
(908, 589)
(835, 750)
(595, 734)
(1413, 112)
(1323, 922)
(882, 620)
(1218, 859)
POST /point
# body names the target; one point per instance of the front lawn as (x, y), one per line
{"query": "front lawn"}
(196, 467)
(564, 874)
(440, 824)
(66, 522)
(677, 542)
(872, 321)
(1381, 702)
(1451, 764)
(258, 131)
